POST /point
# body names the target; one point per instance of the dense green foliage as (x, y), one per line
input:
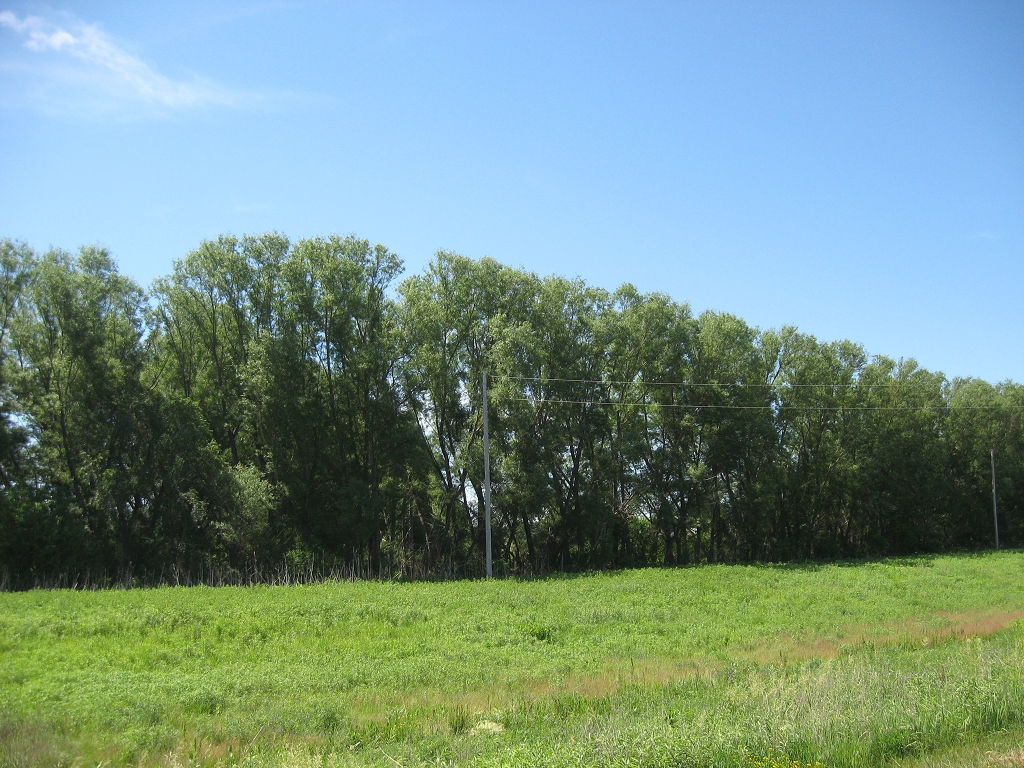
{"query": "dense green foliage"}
(274, 405)
(847, 664)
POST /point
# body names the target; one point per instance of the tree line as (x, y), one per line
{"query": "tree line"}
(273, 402)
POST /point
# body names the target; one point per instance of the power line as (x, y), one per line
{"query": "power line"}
(643, 383)
(779, 407)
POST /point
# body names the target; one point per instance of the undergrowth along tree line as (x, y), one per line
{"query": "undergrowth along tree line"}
(289, 403)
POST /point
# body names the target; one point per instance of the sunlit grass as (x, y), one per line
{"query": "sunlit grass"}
(847, 665)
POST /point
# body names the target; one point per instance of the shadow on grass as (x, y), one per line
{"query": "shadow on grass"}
(91, 582)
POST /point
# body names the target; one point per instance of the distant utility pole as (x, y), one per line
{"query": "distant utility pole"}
(995, 510)
(487, 483)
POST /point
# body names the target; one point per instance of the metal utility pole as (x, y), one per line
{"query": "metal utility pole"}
(487, 482)
(995, 510)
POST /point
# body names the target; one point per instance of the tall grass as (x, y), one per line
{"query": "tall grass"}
(846, 665)
(307, 569)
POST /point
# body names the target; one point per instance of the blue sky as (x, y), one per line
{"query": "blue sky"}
(854, 169)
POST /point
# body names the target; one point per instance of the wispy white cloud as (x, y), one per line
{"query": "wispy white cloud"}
(987, 236)
(77, 66)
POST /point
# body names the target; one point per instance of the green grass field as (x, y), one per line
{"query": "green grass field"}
(914, 662)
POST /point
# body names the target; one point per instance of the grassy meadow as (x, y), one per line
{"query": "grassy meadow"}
(916, 662)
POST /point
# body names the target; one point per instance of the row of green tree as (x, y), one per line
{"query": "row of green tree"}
(273, 402)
